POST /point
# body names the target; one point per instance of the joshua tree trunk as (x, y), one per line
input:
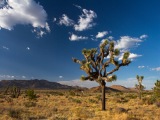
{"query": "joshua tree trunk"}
(140, 94)
(103, 95)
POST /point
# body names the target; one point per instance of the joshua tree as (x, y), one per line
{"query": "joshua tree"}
(156, 89)
(139, 86)
(95, 64)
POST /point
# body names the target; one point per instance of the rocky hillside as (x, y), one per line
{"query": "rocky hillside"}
(34, 84)
(113, 88)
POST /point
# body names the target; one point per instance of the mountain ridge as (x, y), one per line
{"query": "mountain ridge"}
(34, 84)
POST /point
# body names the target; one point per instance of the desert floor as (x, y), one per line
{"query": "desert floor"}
(78, 105)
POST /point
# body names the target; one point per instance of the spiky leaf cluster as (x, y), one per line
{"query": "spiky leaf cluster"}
(156, 89)
(95, 63)
(139, 86)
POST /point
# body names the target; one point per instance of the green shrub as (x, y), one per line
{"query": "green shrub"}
(74, 100)
(56, 93)
(131, 96)
(149, 100)
(29, 104)
(156, 89)
(30, 94)
(13, 113)
(92, 101)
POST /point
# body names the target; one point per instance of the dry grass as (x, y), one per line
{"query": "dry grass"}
(69, 105)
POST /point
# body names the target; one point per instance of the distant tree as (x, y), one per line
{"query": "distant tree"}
(139, 86)
(156, 89)
(95, 64)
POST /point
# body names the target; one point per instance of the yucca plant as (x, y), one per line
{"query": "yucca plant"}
(95, 64)
(139, 86)
(156, 89)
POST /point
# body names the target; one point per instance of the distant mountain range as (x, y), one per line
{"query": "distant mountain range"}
(114, 88)
(44, 84)
(34, 84)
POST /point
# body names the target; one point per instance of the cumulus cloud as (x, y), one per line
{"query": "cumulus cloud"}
(4, 47)
(54, 19)
(74, 37)
(110, 37)
(80, 83)
(24, 12)
(140, 67)
(85, 20)
(60, 77)
(143, 36)
(101, 34)
(65, 20)
(11, 77)
(24, 77)
(127, 42)
(132, 56)
(155, 69)
(28, 48)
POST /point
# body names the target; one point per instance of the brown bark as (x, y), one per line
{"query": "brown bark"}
(103, 96)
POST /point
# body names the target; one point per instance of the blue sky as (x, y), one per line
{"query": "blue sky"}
(38, 38)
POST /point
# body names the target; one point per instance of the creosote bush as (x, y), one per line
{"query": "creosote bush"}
(156, 89)
(14, 113)
(30, 94)
(13, 91)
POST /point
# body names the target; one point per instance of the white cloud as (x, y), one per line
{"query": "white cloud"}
(80, 83)
(156, 69)
(85, 20)
(4, 47)
(76, 38)
(28, 48)
(140, 67)
(110, 37)
(101, 34)
(77, 6)
(11, 77)
(54, 19)
(127, 42)
(24, 12)
(132, 56)
(60, 77)
(24, 77)
(65, 20)
(143, 36)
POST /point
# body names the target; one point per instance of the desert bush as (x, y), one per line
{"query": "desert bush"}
(98, 97)
(131, 96)
(158, 104)
(74, 100)
(73, 93)
(83, 114)
(56, 93)
(14, 113)
(92, 101)
(120, 100)
(29, 104)
(156, 89)
(30, 94)
(13, 91)
(149, 100)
